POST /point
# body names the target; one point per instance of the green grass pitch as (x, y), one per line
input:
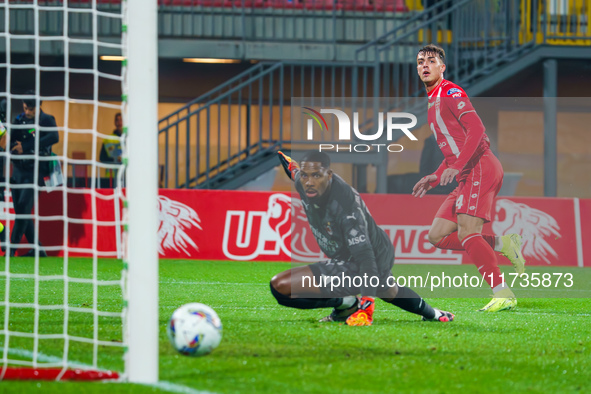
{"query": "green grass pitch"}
(543, 346)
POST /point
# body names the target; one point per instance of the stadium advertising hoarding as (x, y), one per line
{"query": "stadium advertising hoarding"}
(266, 226)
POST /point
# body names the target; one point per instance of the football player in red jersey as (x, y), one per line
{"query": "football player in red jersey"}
(462, 139)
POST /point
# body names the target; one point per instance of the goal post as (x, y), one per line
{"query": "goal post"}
(142, 189)
(90, 310)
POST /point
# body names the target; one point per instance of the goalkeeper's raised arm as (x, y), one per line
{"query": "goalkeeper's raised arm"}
(356, 248)
(290, 166)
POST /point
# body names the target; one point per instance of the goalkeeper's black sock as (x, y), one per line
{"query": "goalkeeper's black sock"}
(305, 303)
(410, 301)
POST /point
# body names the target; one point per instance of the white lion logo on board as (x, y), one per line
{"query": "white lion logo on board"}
(279, 219)
(175, 220)
(533, 225)
(303, 244)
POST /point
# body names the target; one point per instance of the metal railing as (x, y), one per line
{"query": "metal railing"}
(560, 22)
(555, 22)
(51, 20)
(477, 35)
(326, 21)
(244, 119)
(240, 122)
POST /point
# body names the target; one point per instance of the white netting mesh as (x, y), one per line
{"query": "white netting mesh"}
(66, 310)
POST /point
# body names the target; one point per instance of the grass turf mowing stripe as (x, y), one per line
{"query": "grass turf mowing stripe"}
(162, 385)
(542, 346)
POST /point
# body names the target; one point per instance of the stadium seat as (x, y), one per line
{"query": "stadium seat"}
(375, 5)
(321, 5)
(248, 3)
(350, 5)
(391, 5)
(215, 3)
(353, 5)
(179, 3)
(284, 4)
(185, 3)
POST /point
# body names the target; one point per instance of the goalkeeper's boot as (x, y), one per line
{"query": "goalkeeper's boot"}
(512, 250)
(503, 300)
(364, 315)
(341, 315)
(441, 316)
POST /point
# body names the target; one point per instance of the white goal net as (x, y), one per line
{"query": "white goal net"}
(66, 198)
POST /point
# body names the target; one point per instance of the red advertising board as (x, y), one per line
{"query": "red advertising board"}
(547, 226)
(84, 236)
(239, 225)
(584, 233)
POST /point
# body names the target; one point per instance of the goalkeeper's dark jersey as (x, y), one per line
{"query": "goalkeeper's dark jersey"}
(345, 230)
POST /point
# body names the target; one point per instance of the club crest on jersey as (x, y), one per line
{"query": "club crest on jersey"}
(328, 228)
(453, 90)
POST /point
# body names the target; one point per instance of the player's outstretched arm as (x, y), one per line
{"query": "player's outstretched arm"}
(424, 185)
(290, 166)
(430, 181)
(474, 133)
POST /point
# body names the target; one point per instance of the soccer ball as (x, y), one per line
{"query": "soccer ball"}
(194, 329)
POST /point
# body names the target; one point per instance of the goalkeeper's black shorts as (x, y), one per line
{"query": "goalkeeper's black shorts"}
(347, 277)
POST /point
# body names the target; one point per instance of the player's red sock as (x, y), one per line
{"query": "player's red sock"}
(483, 256)
(452, 241)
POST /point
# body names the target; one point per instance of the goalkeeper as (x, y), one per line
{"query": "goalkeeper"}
(356, 248)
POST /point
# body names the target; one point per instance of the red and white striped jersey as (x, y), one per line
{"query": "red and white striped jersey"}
(448, 107)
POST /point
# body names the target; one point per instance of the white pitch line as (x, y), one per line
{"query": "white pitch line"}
(555, 313)
(211, 283)
(162, 385)
(249, 308)
(177, 388)
(44, 358)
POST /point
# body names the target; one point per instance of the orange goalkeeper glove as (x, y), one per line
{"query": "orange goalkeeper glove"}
(289, 165)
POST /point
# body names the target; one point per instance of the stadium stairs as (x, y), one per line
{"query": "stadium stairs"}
(487, 42)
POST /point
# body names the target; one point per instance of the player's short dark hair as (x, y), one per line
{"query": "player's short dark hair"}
(118, 114)
(31, 102)
(435, 49)
(318, 157)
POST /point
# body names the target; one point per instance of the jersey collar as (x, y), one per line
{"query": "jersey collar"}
(432, 93)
